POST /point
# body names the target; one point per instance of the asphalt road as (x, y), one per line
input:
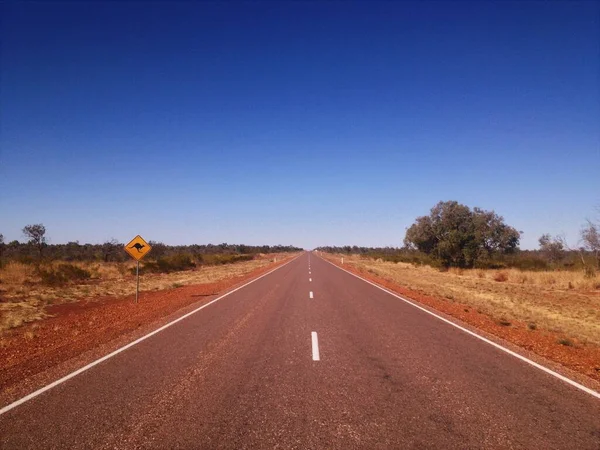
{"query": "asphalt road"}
(247, 372)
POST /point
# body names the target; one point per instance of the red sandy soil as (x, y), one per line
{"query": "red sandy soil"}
(80, 326)
(582, 358)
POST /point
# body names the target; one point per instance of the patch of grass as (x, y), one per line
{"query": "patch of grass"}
(29, 335)
(13, 315)
(177, 285)
(110, 270)
(501, 277)
(503, 322)
(16, 273)
(532, 326)
(566, 342)
(521, 278)
(589, 272)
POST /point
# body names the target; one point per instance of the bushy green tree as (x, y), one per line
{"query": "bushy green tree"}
(455, 235)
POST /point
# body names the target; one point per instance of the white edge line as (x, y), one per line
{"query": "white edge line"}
(315, 346)
(498, 346)
(131, 344)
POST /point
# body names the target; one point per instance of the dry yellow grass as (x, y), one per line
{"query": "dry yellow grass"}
(561, 301)
(24, 298)
(16, 274)
(548, 279)
(16, 314)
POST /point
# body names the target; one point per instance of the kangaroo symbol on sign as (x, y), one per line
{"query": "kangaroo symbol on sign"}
(138, 247)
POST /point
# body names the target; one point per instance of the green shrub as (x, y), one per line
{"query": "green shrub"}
(525, 263)
(174, 263)
(147, 267)
(73, 272)
(180, 262)
(218, 259)
(51, 277)
(63, 274)
(25, 259)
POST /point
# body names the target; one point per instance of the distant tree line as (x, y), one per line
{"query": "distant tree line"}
(453, 235)
(37, 249)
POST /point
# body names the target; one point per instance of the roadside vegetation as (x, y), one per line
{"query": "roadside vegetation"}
(453, 235)
(563, 302)
(472, 258)
(37, 250)
(35, 274)
(26, 296)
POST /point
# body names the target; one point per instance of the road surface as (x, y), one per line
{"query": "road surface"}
(308, 357)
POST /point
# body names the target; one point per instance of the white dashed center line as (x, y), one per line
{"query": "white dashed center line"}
(315, 346)
(310, 295)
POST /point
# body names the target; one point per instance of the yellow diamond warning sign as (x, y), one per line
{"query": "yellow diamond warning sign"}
(138, 248)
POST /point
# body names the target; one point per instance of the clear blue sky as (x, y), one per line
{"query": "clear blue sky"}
(296, 123)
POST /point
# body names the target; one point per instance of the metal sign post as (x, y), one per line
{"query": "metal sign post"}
(137, 287)
(137, 249)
